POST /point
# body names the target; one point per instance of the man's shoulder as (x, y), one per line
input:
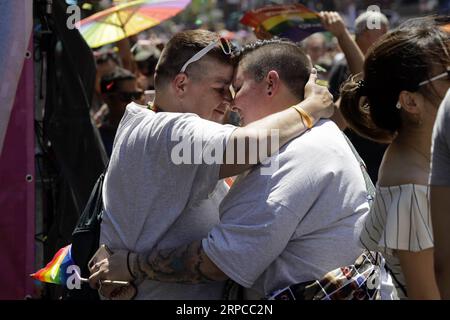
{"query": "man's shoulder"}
(139, 115)
(303, 150)
(134, 114)
(322, 141)
(325, 131)
(134, 109)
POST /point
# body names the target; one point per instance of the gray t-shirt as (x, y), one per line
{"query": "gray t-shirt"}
(151, 202)
(440, 160)
(296, 224)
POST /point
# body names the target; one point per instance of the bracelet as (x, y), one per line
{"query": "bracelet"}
(128, 265)
(304, 116)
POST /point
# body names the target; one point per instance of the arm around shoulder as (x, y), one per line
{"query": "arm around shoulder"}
(290, 123)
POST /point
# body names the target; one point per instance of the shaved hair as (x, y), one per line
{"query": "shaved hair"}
(180, 48)
(283, 56)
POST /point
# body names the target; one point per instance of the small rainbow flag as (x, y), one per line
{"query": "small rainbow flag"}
(294, 21)
(55, 270)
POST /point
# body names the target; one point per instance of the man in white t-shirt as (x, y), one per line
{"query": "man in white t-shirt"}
(151, 200)
(277, 229)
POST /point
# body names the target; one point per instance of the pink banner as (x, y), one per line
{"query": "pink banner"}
(17, 217)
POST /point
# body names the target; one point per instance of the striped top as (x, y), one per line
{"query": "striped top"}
(398, 220)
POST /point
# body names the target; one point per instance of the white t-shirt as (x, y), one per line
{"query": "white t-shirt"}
(149, 200)
(298, 223)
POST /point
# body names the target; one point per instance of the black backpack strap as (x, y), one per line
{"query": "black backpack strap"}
(369, 184)
(92, 212)
(371, 190)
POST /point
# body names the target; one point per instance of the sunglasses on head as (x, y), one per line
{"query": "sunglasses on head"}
(222, 42)
(439, 76)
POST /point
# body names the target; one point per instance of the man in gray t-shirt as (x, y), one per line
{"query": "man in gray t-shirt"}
(277, 227)
(296, 224)
(440, 196)
(144, 207)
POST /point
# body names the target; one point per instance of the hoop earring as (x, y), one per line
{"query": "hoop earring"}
(398, 105)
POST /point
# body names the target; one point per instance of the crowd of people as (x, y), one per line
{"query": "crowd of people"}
(194, 230)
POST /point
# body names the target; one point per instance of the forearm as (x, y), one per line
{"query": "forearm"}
(337, 117)
(418, 271)
(443, 278)
(126, 55)
(440, 207)
(352, 52)
(186, 264)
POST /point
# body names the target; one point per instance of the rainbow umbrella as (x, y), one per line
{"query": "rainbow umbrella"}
(127, 19)
(294, 21)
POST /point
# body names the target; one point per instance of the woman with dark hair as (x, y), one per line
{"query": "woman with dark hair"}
(395, 100)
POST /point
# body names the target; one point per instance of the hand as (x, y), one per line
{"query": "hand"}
(113, 268)
(318, 100)
(333, 22)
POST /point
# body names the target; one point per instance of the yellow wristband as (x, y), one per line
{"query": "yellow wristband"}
(304, 116)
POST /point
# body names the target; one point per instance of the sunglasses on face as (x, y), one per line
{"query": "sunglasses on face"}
(439, 76)
(222, 42)
(129, 96)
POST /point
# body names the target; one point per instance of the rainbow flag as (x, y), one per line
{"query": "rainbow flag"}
(55, 270)
(294, 21)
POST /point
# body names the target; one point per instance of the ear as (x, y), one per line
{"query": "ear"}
(179, 84)
(273, 83)
(411, 101)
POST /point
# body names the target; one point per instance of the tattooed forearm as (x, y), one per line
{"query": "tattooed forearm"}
(186, 264)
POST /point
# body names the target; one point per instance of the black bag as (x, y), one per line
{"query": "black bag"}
(85, 240)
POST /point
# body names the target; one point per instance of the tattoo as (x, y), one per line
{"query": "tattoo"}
(186, 264)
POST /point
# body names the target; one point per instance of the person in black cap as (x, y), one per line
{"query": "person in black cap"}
(118, 89)
(146, 58)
